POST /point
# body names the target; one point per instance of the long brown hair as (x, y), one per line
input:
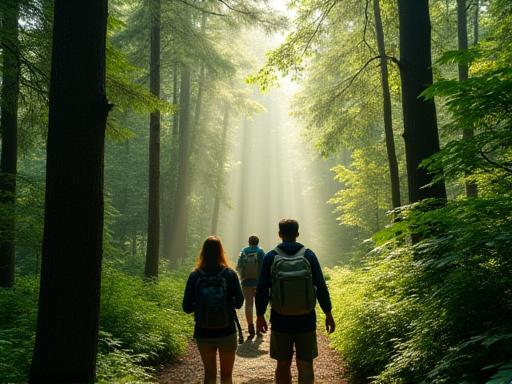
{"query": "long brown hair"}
(212, 254)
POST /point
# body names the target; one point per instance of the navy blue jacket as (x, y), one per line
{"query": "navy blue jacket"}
(234, 292)
(291, 323)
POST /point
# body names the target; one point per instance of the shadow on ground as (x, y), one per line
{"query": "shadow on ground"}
(251, 348)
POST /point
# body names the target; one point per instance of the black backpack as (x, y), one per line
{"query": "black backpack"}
(213, 310)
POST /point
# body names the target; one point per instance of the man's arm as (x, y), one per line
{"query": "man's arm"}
(263, 293)
(263, 289)
(322, 293)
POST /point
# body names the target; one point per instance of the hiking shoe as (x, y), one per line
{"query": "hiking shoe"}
(252, 331)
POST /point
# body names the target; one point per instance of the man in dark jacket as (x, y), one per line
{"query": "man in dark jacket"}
(292, 330)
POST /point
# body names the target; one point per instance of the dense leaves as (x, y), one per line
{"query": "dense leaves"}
(141, 325)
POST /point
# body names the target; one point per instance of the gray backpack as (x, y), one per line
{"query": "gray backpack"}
(249, 265)
(293, 291)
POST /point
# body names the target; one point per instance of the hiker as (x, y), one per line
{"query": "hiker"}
(292, 278)
(248, 266)
(213, 292)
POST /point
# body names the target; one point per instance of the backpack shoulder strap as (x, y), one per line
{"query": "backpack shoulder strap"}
(301, 252)
(221, 273)
(279, 251)
(201, 272)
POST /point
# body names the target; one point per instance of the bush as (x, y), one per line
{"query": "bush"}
(141, 325)
(438, 311)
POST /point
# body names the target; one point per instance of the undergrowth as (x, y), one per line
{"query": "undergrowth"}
(141, 326)
(438, 311)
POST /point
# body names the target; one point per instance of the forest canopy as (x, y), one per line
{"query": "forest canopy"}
(131, 130)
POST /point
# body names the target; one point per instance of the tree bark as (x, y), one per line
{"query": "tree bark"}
(153, 244)
(462, 34)
(9, 137)
(241, 223)
(188, 137)
(219, 174)
(67, 324)
(177, 243)
(169, 212)
(476, 22)
(394, 174)
(420, 122)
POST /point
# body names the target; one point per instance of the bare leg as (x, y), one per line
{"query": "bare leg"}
(283, 372)
(306, 372)
(227, 361)
(209, 357)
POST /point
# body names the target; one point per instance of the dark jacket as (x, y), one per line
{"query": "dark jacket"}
(291, 323)
(234, 292)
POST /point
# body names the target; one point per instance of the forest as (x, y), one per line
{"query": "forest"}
(131, 130)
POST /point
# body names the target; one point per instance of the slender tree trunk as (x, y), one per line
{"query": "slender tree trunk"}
(168, 214)
(9, 137)
(462, 33)
(420, 123)
(134, 244)
(219, 174)
(153, 244)
(387, 109)
(241, 229)
(67, 324)
(200, 91)
(177, 245)
(193, 136)
(476, 22)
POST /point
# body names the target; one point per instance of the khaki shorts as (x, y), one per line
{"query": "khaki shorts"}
(225, 344)
(281, 345)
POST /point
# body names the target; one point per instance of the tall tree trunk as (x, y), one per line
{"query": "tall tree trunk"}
(219, 174)
(178, 246)
(476, 22)
(246, 155)
(462, 33)
(200, 91)
(387, 109)
(67, 324)
(191, 132)
(153, 252)
(420, 123)
(171, 192)
(9, 137)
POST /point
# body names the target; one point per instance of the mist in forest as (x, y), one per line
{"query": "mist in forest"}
(273, 175)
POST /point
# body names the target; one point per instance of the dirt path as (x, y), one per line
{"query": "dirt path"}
(253, 364)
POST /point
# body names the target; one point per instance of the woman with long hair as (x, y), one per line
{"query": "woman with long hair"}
(213, 292)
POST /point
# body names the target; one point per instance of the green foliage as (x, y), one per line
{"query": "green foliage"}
(151, 322)
(363, 199)
(141, 325)
(437, 311)
(17, 329)
(480, 103)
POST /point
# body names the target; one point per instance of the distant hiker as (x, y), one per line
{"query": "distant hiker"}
(291, 274)
(248, 266)
(212, 293)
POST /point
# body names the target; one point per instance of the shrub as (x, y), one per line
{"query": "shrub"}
(141, 325)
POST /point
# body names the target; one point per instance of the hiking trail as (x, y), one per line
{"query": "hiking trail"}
(253, 364)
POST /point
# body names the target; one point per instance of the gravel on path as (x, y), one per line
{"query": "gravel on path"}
(253, 364)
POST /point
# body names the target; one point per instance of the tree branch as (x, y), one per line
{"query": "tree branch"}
(495, 163)
(201, 9)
